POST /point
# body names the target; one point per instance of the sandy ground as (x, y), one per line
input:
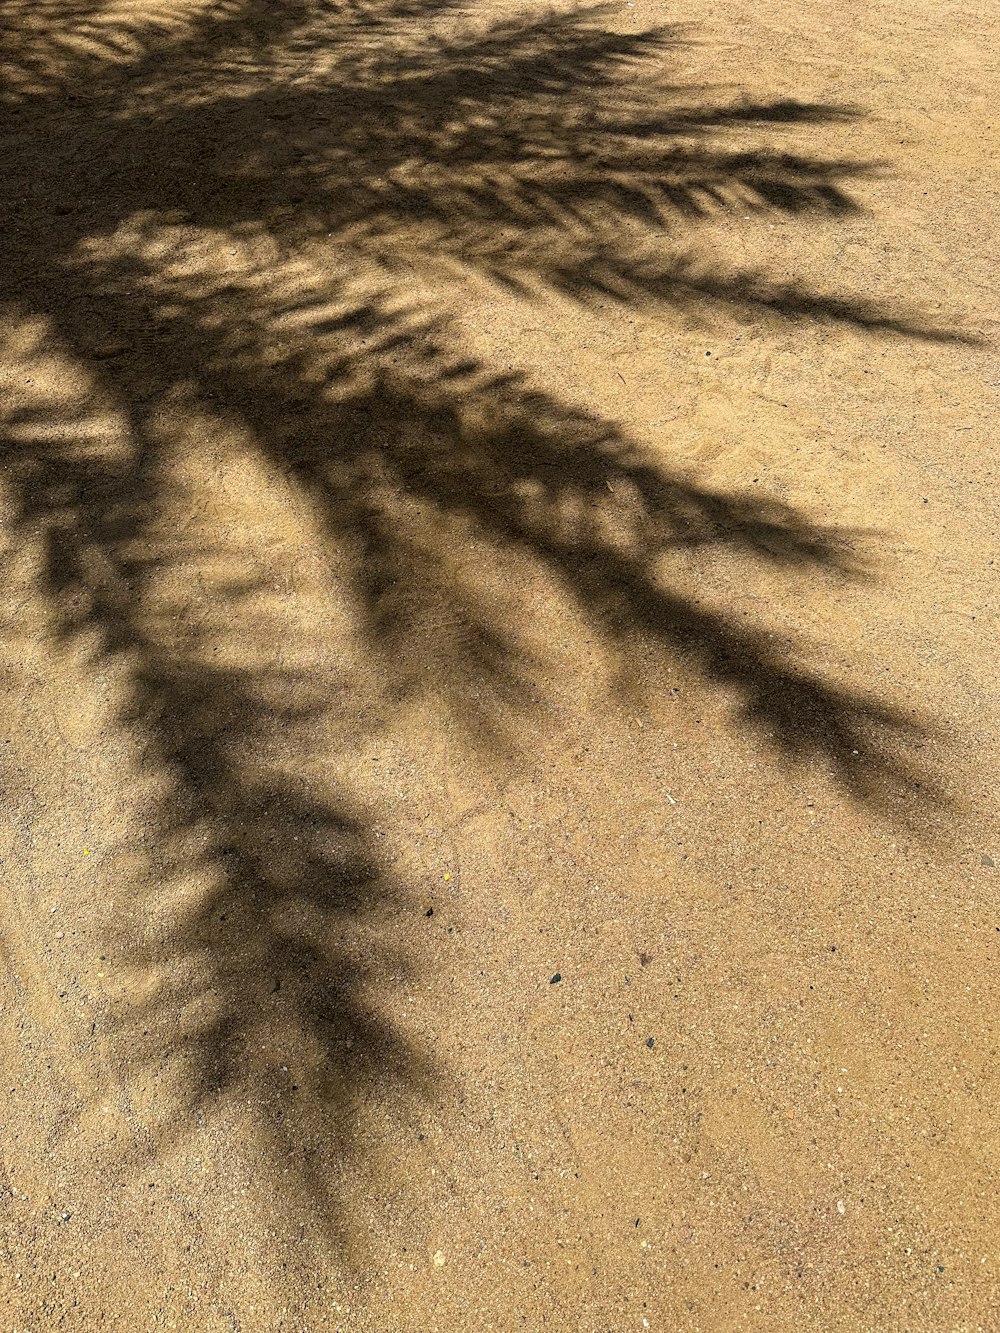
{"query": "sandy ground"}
(499, 529)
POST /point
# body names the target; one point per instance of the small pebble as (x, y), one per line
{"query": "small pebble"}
(841, 1207)
(556, 977)
(650, 1042)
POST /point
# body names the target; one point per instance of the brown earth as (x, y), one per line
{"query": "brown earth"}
(498, 770)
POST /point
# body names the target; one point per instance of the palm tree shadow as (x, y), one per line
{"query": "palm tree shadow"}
(218, 219)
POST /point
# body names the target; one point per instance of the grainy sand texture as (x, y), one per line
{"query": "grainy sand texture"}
(498, 528)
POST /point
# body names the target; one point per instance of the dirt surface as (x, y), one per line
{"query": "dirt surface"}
(499, 758)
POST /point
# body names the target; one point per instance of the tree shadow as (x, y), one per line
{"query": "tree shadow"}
(228, 222)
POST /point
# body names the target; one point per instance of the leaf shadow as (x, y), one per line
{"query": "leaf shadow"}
(219, 220)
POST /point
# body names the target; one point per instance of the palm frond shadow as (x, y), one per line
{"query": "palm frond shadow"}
(334, 151)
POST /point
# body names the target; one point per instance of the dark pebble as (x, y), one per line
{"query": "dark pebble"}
(556, 976)
(650, 1043)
